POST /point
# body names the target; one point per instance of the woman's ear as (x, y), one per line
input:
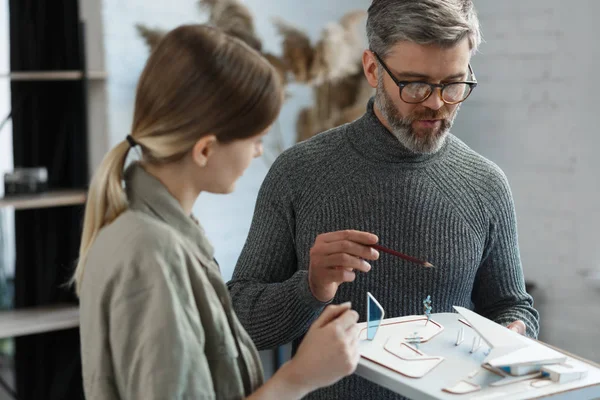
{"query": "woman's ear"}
(203, 149)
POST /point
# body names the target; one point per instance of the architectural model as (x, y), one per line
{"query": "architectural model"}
(494, 359)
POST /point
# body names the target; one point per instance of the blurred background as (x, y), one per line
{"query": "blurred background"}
(68, 72)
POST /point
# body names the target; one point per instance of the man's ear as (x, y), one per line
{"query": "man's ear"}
(370, 67)
(203, 149)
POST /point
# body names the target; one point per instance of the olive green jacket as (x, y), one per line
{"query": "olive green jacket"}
(156, 316)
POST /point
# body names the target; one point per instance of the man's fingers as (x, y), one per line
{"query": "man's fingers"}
(351, 248)
(336, 275)
(340, 275)
(346, 261)
(365, 238)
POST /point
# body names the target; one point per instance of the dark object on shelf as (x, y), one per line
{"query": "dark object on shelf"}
(26, 181)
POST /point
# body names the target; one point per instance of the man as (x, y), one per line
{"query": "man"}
(395, 176)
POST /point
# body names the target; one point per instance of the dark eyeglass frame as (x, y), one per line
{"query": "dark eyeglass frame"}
(402, 84)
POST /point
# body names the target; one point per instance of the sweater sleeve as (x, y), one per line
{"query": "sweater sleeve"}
(499, 291)
(271, 295)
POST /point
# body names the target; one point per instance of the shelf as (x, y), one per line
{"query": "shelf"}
(41, 319)
(56, 198)
(53, 75)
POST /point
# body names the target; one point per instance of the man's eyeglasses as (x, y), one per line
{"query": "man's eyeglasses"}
(415, 92)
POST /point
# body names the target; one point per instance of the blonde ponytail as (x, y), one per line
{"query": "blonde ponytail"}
(106, 200)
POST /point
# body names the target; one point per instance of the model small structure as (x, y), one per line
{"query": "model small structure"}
(563, 373)
(375, 314)
(460, 337)
(509, 352)
(427, 308)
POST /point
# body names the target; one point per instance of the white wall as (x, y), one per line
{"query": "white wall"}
(535, 114)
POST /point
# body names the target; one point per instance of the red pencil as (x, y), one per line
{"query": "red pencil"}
(403, 256)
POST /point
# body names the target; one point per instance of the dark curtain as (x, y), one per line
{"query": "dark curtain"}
(49, 129)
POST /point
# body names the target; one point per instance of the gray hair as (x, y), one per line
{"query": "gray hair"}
(440, 22)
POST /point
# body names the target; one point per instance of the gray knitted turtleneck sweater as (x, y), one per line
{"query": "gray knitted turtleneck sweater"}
(453, 208)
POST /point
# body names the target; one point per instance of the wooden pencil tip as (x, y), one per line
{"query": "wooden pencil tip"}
(429, 265)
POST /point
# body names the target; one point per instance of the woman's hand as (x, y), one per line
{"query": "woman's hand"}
(328, 353)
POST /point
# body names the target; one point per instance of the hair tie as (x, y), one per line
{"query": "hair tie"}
(131, 140)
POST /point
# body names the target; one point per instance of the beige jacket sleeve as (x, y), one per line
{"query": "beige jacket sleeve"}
(156, 337)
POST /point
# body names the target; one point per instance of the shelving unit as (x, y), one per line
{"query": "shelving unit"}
(48, 318)
(53, 95)
(53, 75)
(28, 321)
(57, 198)
(53, 317)
(41, 319)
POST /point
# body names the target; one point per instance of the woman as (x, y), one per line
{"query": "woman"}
(156, 317)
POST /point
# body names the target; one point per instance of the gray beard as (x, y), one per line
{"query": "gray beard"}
(401, 127)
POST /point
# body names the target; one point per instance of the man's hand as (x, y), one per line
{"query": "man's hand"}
(335, 256)
(518, 326)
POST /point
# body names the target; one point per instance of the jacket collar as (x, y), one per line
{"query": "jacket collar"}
(148, 195)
